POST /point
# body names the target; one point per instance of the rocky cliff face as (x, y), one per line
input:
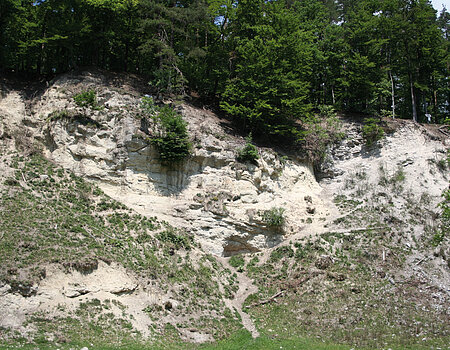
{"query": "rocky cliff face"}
(217, 198)
(391, 189)
(211, 194)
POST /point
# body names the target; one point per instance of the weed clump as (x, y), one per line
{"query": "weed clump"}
(372, 131)
(274, 217)
(319, 132)
(439, 237)
(249, 153)
(87, 99)
(238, 262)
(176, 239)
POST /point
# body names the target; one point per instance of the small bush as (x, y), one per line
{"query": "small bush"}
(327, 111)
(319, 132)
(86, 99)
(445, 219)
(172, 142)
(249, 153)
(372, 131)
(281, 252)
(58, 115)
(386, 114)
(148, 106)
(238, 262)
(175, 238)
(274, 217)
(398, 177)
(169, 131)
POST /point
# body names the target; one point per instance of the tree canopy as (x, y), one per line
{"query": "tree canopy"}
(268, 64)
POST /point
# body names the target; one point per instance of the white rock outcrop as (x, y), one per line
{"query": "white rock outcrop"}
(217, 198)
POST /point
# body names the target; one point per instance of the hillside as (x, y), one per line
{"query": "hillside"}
(101, 243)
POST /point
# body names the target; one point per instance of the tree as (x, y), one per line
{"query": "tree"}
(269, 86)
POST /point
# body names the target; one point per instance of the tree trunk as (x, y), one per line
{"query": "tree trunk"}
(392, 93)
(127, 49)
(413, 98)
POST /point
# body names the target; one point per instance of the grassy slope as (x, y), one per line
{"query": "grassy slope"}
(48, 215)
(339, 286)
(59, 218)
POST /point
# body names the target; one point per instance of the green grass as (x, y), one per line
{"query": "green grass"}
(347, 302)
(58, 218)
(240, 340)
(243, 340)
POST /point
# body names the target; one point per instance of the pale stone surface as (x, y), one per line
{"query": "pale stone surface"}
(212, 195)
(108, 146)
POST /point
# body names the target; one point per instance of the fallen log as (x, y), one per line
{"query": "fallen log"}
(266, 301)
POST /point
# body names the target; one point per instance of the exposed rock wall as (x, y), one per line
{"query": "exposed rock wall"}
(211, 194)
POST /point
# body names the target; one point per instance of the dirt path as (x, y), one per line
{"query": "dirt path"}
(246, 287)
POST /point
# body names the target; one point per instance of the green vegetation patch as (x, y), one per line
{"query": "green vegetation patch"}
(372, 131)
(87, 99)
(249, 153)
(337, 288)
(51, 216)
(169, 131)
(274, 217)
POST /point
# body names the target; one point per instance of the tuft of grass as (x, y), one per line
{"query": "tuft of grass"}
(238, 262)
(249, 153)
(87, 99)
(372, 131)
(274, 217)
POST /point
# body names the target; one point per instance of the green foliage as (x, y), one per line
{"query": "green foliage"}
(148, 106)
(268, 62)
(237, 261)
(169, 131)
(86, 99)
(58, 115)
(79, 118)
(386, 114)
(269, 86)
(398, 177)
(173, 141)
(274, 217)
(249, 153)
(319, 131)
(281, 252)
(327, 111)
(445, 219)
(372, 131)
(177, 239)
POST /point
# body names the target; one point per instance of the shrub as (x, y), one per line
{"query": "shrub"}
(169, 131)
(398, 177)
(320, 131)
(386, 114)
(249, 153)
(372, 131)
(179, 240)
(445, 219)
(86, 99)
(238, 262)
(148, 106)
(281, 252)
(172, 140)
(58, 115)
(327, 111)
(274, 217)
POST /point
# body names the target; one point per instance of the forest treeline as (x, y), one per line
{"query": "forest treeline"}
(267, 62)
